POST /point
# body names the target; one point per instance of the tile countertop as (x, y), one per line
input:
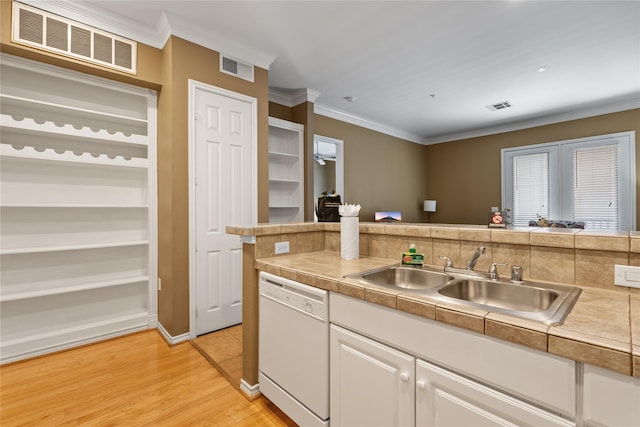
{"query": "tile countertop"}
(603, 328)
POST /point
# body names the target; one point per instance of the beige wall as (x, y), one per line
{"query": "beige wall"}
(464, 176)
(181, 61)
(381, 172)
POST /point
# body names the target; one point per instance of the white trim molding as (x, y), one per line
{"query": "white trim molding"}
(251, 391)
(292, 97)
(195, 86)
(171, 340)
(157, 35)
(550, 119)
(323, 110)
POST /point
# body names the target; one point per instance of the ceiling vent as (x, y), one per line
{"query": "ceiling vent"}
(54, 33)
(236, 68)
(499, 106)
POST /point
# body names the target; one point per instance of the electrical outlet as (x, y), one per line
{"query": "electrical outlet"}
(159, 284)
(626, 275)
(282, 248)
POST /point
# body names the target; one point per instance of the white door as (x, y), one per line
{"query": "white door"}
(447, 399)
(224, 194)
(370, 384)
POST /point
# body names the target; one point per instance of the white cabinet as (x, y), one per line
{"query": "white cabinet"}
(461, 378)
(77, 208)
(543, 379)
(370, 384)
(444, 398)
(286, 171)
(610, 399)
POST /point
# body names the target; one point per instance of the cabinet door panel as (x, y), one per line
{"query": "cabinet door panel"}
(610, 398)
(371, 384)
(447, 399)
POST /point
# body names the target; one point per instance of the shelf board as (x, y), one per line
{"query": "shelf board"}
(284, 155)
(51, 206)
(284, 181)
(74, 288)
(45, 249)
(284, 207)
(31, 127)
(138, 315)
(50, 155)
(9, 101)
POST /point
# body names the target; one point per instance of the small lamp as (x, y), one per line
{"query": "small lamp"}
(429, 206)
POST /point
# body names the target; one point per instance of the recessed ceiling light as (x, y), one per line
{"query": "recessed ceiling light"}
(543, 69)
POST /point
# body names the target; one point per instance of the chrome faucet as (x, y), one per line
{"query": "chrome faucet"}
(474, 259)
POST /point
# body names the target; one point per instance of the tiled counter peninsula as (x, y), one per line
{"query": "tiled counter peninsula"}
(603, 329)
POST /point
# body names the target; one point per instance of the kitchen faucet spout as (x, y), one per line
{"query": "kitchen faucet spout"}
(474, 259)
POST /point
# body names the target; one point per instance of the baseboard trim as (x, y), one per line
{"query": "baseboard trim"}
(250, 391)
(171, 340)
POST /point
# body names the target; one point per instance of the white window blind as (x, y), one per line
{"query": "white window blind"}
(590, 180)
(530, 175)
(595, 186)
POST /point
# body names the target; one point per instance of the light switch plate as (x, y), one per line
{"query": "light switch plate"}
(282, 248)
(626, 275)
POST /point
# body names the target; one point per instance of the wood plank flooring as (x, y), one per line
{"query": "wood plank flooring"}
(136, 380)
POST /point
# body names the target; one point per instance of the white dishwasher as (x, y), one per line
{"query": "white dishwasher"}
(293, 350)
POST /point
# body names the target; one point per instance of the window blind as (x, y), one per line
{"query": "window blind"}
(530, 175)
(595, 186)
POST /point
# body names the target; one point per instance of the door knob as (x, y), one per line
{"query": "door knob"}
(404, 377)
(421, 385)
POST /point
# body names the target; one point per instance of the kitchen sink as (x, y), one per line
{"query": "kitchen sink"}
(406, 278)
(542, 302)
(501, 295)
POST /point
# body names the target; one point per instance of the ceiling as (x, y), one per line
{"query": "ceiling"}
(421, 70)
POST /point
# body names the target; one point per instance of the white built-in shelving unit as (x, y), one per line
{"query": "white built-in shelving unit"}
(78, 237)
(286, 171)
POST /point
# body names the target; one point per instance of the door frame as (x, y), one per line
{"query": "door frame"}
(195, 86)
(339, 143)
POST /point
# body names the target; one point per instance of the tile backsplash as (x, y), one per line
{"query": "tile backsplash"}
(581, 257)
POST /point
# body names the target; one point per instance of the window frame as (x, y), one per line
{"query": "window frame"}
(560, 166)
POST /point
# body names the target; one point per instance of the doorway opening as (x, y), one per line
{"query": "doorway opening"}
(328, 166)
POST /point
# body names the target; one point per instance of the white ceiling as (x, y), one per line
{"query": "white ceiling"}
(422, 70)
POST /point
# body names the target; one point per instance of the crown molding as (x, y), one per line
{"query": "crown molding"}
(368, 124)
(598, 110)
(156, 36)
(220, 43)
(292, 97)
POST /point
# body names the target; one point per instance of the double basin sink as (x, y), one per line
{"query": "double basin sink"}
(546, 303)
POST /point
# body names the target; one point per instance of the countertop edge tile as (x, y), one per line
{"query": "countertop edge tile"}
(351, 290)
(516, 334)
(457, 318)
(607, 358)
(380, 297)
(416, 306)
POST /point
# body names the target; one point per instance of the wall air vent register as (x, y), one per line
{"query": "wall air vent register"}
(236, 68)
(500, 106)
(53, 33)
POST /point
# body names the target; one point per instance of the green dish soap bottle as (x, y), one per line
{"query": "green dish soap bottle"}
(412, 257)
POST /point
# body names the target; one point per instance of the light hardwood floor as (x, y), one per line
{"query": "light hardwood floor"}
(136, 380)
